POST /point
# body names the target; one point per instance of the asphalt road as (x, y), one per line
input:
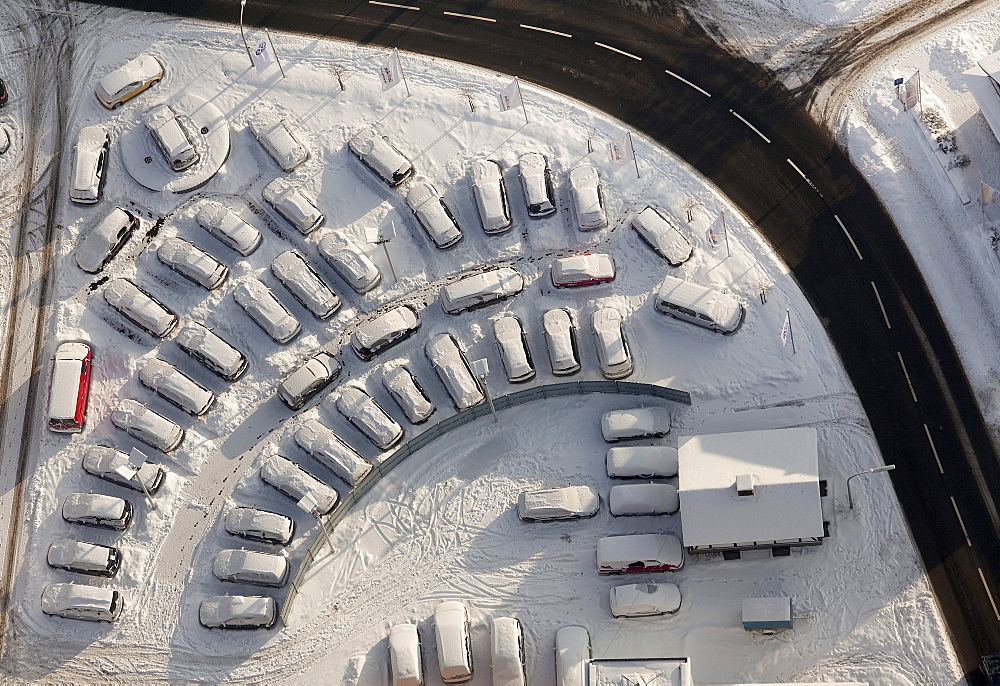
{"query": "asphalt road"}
(788, 176)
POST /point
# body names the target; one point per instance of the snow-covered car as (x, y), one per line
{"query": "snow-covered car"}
(90, 161)
(78, 601)
(643, 499)
(380, 156)
(700, 305)
(102, 462)
(297, 483)
(94, 509)
(259, 302)
(302, 281)
(279, 141)
(560, 339)
(433, 214)
(507, 651)
(612, 345)
(408, 394)
(384, 331)
(350, 262)
(454, 643)
(128, 80)
(69, 389)
(228, 227)
(568, 502)
(536, 180)
(168, 132)
(642, 462)
(582, 270)
(238, 612)
(5, 135)
(292, 203)
(140, 307)
(322, 443)
(192, 263)
(513, 347)
(106, 240)
(369, 418)
(639, 553)
(588, 198)
(250, 567)
(142, 423)
(84, 558)
(448, 361)
(639, 422)
(405, 662)
(656, 229)
(572, 656)
(490, 193)
(645, 600)
(260, 525)
(168, 382)
(308, 380)
(213, 352)
(479, 290)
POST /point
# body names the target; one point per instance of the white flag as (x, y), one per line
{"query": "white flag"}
(136, 459)
(712, 235)
(910, 94)
(510, 97)
(263, 54)
(990, 194)
(390, 73)
(786, 329)
(620, 151)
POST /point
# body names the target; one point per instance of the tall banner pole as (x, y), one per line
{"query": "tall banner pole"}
(725, 233)
(982, 201)
(791, 336)
(634, 158)
(401, 72)
(521, 98)
(271, 43)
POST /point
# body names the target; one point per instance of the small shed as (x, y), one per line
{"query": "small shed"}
(767, 614)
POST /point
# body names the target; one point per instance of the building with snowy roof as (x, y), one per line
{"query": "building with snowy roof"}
(750, 490)
(667, 671)
(984, 84)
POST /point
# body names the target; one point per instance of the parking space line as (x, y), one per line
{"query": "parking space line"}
(470, 16)
(961, 523)
(539, 28)
(392, 4)
(989, 593)
(849, 237)
(754, 128)
(881, 306)
(620, 52)
(907, 375)
(683, 80)
(933, 449)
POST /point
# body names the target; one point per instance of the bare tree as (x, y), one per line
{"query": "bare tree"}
(690, 205)
(468, 93)
(339, 71)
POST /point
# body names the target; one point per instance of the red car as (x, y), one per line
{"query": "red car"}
(70, 387)
(582, 270)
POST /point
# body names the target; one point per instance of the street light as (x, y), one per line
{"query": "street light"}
(873, 470)
(309, 504)
(481, 368)
(381, 236)
(243, 4)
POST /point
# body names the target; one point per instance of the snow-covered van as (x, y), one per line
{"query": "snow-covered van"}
(381, 156)
(639, 553)
(79, 601)
(89, 164)
(642, 462)
(142, 423)
(479, 290)
(405, 665)
(70, 387)
(454, 646)
(84, 558)
(572, 655)
(697, 304)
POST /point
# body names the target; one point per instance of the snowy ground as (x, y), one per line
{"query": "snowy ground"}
(442, 526)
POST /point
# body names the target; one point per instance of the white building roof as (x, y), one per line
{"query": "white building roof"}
(675, 671)
(984, 89)
(785, 504)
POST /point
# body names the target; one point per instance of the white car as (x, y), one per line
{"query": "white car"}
(140, 307)
(536, 180)
(259, 302)
(405, 662)
(642, 462)
(380, 156)
(169, 134)
(408, 394)
(102, 461)
(323, 444)
(84, 558)
(302, 281)
(433, 214)
(568, 502)
(350, 262)
(560, 339)
(662, 236)
(588, 198)
(142, 423)
(446, 357)
(612, 345)
(170, 383)
(369, 418)
(513, 348)
(281, 144)
(572, 656)
(106, 240)
(643, 499)
(645, 600)
(101, 511)
(250, 567)
(238, 612)
(260, 525)
(491, 196)
(77, 601)
(192, 263)
(213, 352)
(479, 290)
(640, 422)
(384, 331)
(582, 270)
(128, 80)
(90, 162)
(308, 380)
(294, 205)
(297, 483)
(507, 651)
(226, 225)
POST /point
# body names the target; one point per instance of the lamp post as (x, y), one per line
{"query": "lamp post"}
(873, 470)
(243, 4)
(481, 369)
(377, 236)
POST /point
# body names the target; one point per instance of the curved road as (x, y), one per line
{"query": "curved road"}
(732, 121)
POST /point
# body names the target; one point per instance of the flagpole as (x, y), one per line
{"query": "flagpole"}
(725, 233)
(634, 158)
(401, 72)
(519, 97)
(271, 43)
(791, 337)
(920, 101)
(982, 201)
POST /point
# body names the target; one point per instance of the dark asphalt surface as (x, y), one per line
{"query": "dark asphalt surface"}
(938, 422)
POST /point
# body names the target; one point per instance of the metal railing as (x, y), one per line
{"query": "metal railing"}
(431, 434)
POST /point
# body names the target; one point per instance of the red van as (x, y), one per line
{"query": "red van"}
(70, 387)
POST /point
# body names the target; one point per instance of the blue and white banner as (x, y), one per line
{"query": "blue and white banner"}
(263, 54)
(509, 97)
(390, 73)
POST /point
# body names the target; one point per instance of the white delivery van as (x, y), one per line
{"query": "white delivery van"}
(699, 305)
(639, 553)
(454, 645)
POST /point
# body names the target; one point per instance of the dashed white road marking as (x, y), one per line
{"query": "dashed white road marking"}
(849, 237)
(470, 16)
(539, 28)
(683, 80)
(754, 128)
(392, 4)
(881, 306)
(620, 52)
